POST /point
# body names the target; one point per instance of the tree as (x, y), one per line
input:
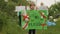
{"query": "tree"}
(8, 17)
(54, 9)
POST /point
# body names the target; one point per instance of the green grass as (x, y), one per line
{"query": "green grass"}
(14, 28)
(50, 30)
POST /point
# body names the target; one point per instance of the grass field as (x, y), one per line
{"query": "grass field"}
(50, 30)
(14, 28)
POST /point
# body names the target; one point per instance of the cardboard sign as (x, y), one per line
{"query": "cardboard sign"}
(19, 8)
(43, 8)
(37, 19)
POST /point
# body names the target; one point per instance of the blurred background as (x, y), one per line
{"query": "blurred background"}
(9, 19)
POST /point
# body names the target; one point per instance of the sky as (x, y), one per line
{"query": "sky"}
(46, 2)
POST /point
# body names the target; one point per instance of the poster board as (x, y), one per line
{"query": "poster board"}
(19, 8)
(38, 19)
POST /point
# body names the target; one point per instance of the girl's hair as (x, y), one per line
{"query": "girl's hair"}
(32, 4)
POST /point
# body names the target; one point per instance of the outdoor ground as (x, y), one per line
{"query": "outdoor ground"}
(50, 30)
(13, 28)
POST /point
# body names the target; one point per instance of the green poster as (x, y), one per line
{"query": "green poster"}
(37, 19)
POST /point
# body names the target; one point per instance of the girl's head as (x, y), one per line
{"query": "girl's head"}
(32, 6)
(42, 4)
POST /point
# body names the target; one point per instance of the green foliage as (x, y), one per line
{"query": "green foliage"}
(8, 17)
(1, 24)
(54, 9)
